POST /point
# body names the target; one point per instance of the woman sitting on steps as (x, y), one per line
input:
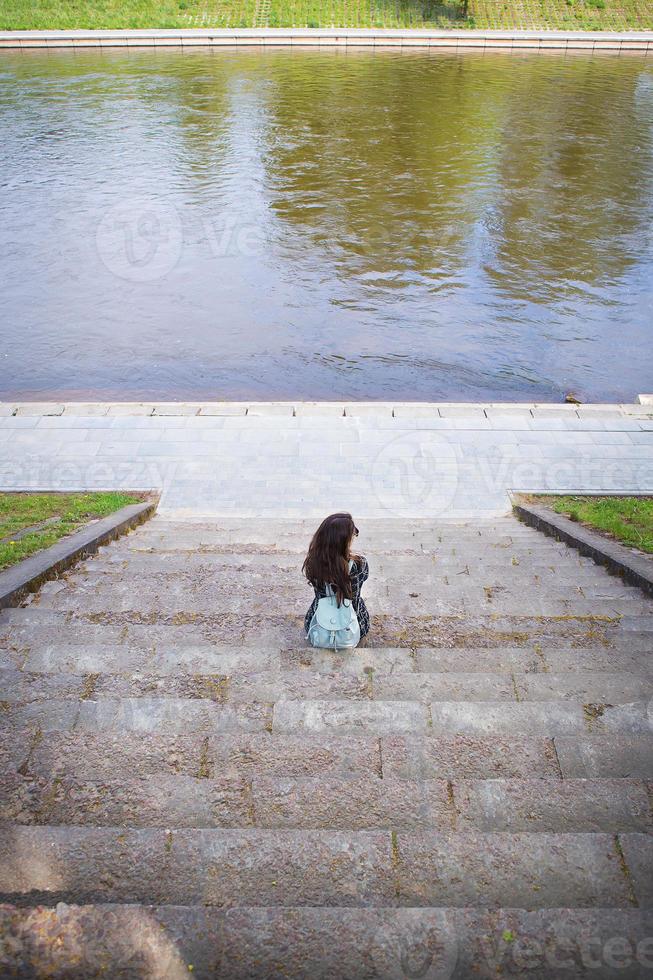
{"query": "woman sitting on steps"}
(337, 617)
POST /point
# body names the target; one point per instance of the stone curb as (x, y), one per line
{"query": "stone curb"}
(19, 580)
(335, 37)
(398, 409)
(619, 560)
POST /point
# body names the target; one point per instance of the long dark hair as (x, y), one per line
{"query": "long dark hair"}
(327, 561)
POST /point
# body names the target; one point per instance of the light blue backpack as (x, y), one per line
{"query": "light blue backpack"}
(332, 626)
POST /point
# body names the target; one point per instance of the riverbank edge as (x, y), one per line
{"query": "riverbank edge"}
(334, 409)
(641, 41)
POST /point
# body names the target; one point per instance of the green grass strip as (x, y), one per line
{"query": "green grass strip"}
(596, 15)
(626, 519)
(70, 511)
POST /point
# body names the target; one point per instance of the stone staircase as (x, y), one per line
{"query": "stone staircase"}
(189, 790)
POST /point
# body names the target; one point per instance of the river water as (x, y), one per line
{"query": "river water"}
(326, 225)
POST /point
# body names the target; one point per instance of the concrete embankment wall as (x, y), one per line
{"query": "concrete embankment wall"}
(631, 41)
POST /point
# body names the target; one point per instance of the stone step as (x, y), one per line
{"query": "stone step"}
(554, 661)
(106, 754)
(92, 657)
(457, 756)
(443, 572)
(618, 627)
(168, 715)
(330, 803)
(185, 631)
(397, 535)
(325, 868)
(612, 688)
(595, 756)
(455, 580)
(178, 715)
(186, 591)
(481, 717)
(36, 653)
(587, 687)
(250, 603)
(111, 562)
(574, 627)
(298, 943)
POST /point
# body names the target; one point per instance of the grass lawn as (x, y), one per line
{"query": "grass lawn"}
(64, 512)
(611, 15)
(627, 519)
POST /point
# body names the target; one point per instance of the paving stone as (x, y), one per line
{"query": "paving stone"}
(171, 716)
(443, 687)
(86, 409)
(116, 754)
(552, 805)
(39, 408)
(637, 858)
(350, 717)
(18, 685)
(196, 660)
(131, 409)
(360, 661)
(448, 756)
(261, 687)
(45, 715)
(585, 687)
(511, 870)
(619, 756)
(108, 755)
(351, 803)
(181, 409)
(110, 940)
(257, 943)
(496, 660)
(14, 749)
(534, 718)
(210, 867)
(599, 659)
(160, 801)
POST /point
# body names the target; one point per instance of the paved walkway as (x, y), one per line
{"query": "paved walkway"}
(377, 460)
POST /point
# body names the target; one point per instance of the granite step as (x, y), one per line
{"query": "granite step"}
(230, 868)
(193, 587)
(289, 584)
(102, 755)
(23, 686)
(34, 652)
(109, 562)
(346, 717)
(166, 715)
(481, 717)
(472, 629)
(254, 604)
(329, 802)
(250, 943)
